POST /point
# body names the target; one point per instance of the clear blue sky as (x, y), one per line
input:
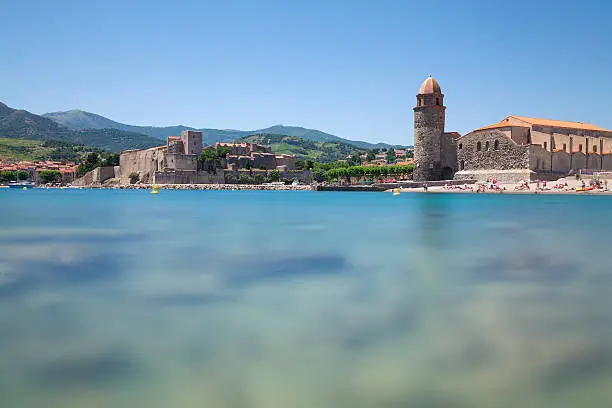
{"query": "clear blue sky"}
(350, 68)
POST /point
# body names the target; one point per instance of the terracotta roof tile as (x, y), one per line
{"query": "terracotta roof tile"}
(559, 123)
(524, 121)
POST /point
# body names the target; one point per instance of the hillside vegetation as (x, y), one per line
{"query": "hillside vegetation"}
(39, 150)
(304, 149)
(21, 124)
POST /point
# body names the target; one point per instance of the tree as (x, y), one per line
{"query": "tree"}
(300, 164)
(371, 156)
(134, 177)
(111, 159)
(209, 160)
(275, 175)
(355, 160)
(309, 164)
(91, 162)
(49, 176)
(391, 157)
(7, 175)
(23, 175)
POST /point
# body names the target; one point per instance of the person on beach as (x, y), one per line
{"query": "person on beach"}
(425, 187)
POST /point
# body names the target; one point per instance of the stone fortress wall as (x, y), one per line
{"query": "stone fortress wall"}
(143, 162)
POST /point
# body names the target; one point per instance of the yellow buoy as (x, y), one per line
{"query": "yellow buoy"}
(396, 191)
(155, 190)
(25, 188)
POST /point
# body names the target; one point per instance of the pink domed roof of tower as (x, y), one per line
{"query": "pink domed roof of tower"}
(430, 86)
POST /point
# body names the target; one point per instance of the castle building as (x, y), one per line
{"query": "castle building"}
(176, 162)
(435, 152)
(250, 155)
(516, 148)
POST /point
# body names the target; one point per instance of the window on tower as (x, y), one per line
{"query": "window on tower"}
(496, 145)
(478, 146)
(437, 101)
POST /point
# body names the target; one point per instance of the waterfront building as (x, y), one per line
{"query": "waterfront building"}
(516, 148)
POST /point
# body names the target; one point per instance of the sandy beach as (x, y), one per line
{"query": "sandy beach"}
(567, 185)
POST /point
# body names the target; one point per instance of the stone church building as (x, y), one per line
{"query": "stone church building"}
(516, 148)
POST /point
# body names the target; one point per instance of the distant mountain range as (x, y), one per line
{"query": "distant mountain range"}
(323, 152)
(21, 124)
(88, 129)
(78, 119)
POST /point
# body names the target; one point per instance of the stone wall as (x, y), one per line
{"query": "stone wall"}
(143, 162)
(285, 160)
(96, 176)
(263, 161)
(238, 162)
(175, 147)
(607, 162)
(594, 162)
(189, 177)
(579, 161)
(561, 162)
(539, 159)
(497, 152)
(187, 162)
(449, 156)
(502, 176)
(303, 176)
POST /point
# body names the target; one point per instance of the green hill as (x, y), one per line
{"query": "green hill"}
(34, 150)
(302, 148)
(78, 119)
(21, 124)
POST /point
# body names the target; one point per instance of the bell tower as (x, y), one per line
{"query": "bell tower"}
(429, 116)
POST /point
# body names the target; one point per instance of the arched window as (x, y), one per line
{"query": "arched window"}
(462, 165)
(545, 146)
(496, 145)
(565, 147)
(579, 147)
(594, 149)
(437, 101)
(487, 146)
(460, 146)
(478, 146)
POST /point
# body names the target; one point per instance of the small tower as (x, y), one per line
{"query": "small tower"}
(429, 117)
(192, 141)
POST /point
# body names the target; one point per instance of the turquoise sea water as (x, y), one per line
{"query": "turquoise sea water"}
(304, 299)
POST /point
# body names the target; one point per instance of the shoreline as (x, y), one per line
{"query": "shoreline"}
(569, 189)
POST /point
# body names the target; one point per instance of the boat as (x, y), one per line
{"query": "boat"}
(20, 184)
(585, 189)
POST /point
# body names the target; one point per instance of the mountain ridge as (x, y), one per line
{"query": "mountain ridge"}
(78, 119)
(21, 124)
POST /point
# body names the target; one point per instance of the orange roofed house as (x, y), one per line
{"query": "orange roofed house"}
(522, 147)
